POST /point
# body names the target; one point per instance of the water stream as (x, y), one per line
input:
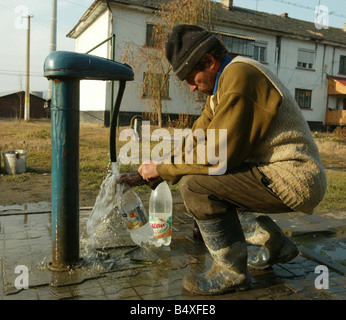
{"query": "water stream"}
(107, 240)
(105, 213)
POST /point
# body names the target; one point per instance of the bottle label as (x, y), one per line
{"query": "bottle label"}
(162, 227)
(135, 218)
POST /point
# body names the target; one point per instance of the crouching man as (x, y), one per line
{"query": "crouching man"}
(272, 163)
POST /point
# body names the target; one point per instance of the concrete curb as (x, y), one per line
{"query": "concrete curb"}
(304, 224)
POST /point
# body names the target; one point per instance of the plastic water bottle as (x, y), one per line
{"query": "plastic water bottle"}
(135, 217)
(160, 215)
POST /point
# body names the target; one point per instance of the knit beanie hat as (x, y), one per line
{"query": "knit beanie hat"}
(186, 46)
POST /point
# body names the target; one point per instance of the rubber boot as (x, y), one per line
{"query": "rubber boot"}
(261, 230)
(225, 241)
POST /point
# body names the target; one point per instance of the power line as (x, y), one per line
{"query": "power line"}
(10, 3)
(306, 7)
(76, 4)
(5, 6)
(20, 73)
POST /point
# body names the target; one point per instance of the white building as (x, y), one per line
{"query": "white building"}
(309, 59)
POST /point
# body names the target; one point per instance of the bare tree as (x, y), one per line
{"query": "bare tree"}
(152, 55)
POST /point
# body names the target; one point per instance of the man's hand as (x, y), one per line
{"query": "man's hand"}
(131, 179)
(148, 171)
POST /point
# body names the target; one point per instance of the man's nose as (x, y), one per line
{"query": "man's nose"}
(192, 87)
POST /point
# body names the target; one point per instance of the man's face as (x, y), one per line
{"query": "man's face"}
(202, 81)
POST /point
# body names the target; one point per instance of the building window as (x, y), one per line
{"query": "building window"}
(306, 59)
(303, 98)
(342, 65)
(150, 36)
(154, 35)
(340, 103)
(260, 52)
(238, 46)
(152, 83)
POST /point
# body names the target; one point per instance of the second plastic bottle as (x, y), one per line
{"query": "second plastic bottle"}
(135, 217)
(160, 214)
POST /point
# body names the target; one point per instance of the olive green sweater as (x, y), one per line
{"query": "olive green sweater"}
(265, 126)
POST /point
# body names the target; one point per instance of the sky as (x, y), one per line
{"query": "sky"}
(13, 35)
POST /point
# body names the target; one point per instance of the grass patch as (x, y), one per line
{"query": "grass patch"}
(335, 196)
(34, 137)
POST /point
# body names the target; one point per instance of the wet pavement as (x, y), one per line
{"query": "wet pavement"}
(120, 270)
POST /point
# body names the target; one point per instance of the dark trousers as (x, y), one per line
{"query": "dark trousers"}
(244, 188)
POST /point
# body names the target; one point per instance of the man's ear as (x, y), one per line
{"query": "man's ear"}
(211, 63)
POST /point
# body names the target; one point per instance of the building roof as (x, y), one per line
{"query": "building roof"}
(336, 85)
(338, 79)
(281, 25)
(241, 17)
(9, 93)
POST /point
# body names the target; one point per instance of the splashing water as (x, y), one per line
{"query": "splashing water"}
(103, 228)
(105, 205)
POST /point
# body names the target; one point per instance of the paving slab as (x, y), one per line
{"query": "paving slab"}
(120, 270)
(297, 224)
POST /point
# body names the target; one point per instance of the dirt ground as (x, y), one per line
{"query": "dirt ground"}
(35, 186)
(24, 191)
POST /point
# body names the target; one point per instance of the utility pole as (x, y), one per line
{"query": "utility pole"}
(27, 82)
(52, 46)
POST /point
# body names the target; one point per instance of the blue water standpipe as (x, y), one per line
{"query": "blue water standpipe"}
(66, 69)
